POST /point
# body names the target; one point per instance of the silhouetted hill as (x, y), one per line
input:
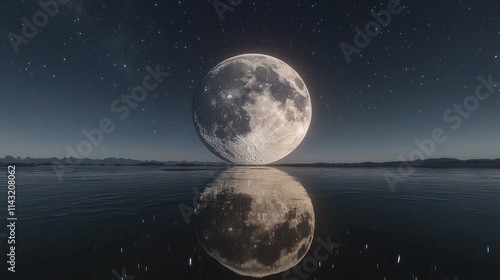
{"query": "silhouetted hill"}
(149, 164)
(100, 162)
(428, 163)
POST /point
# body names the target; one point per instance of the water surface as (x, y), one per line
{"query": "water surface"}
(438, 224)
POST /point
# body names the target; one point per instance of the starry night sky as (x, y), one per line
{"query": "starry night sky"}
(427, 59)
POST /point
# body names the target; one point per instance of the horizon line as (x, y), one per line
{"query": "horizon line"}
(225, 162)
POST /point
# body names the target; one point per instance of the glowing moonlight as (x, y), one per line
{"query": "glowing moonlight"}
(255, 221)
(252, 109)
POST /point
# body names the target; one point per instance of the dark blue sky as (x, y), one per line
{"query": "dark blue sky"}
(427, 59)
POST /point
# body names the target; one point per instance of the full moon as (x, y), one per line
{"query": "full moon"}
(252, 109)
(256, 221)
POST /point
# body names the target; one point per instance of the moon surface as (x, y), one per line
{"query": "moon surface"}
(255, 221)
(252, 109)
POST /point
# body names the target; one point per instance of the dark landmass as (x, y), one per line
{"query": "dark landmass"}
(22, 164)
(149, 164)
(196, 169)
(428, 163)
(33, 162)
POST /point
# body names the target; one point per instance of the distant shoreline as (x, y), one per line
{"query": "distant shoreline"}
(429, 163)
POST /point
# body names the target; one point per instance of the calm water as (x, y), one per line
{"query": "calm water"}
(439, 224)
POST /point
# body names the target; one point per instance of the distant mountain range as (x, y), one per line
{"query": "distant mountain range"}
(87, 161)
(429, 163)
